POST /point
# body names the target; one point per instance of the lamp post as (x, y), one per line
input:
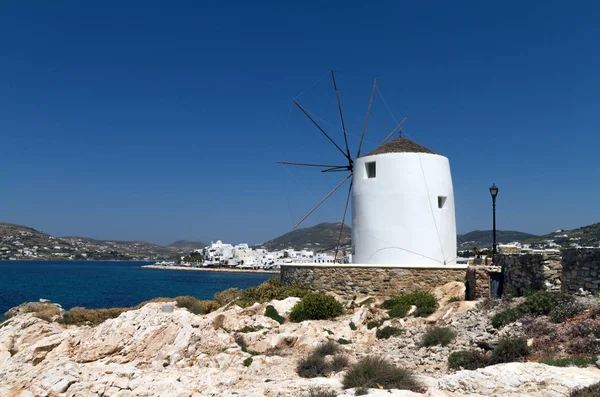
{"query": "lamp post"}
(494, 193)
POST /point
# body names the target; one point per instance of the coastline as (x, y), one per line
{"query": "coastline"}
(208, 269)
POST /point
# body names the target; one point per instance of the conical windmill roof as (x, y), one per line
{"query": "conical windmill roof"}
(400, 145)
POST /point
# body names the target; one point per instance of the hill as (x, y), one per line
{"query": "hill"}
(585, 236)
(321, 237)
(187, 246)
(485, 238)
(22, 242)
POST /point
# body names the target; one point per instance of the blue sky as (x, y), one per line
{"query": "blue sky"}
(161, 121)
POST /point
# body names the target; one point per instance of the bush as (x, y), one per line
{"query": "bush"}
(454, 299)
(271, 312)
(338, 363)
(361, 391)
(388, 332)
(375, 372)
(577, 361)
(83, 316)
(590, 391)
(584, 328)
(227, 296)
(312, 366)
(375, 323)
(537, 327)
(424, 301)
(269, 290)
(399, 311)
(538, 303)
(343, 341)
(193, 304)
(353, 326)
(467, 359)
(509, 350)
(328, 348)
(506, 317)
(316, 306)
(438, 336)
(542, 303)
(566, 310)
(248, 361)
(319, 392)
(583, 345)
(250, 328)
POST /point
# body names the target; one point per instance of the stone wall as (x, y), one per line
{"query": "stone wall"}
(581, 269)
(531, 271)
(380, 281)
(478, 281)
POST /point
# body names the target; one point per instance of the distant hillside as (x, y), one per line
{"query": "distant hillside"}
(323, 236)
(187, 246)
(21, 242)
(484, 238)
(585, 236)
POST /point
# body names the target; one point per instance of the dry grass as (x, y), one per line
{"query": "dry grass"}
(375, 372)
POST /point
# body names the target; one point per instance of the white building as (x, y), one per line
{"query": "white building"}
(403, 207)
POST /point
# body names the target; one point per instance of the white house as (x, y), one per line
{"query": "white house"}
(403, 207)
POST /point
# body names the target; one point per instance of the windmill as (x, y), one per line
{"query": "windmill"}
(348, 158)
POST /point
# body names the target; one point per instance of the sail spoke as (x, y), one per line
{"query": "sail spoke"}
(323, 200)
(367, 118)
(337, 249)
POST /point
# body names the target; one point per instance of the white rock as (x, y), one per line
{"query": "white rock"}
(284, 307)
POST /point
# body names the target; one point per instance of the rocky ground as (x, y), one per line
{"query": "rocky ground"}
(153, 351)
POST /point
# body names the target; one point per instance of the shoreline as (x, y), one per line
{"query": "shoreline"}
(208, 269)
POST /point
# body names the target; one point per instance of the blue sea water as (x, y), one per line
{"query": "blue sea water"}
(100, 284)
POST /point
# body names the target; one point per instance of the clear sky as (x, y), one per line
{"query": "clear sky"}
(161, 121)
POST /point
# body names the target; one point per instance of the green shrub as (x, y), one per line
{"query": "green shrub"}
(312, 366)
(250, 328)
(316, 306)
(248, 361)
(573, 361)
(424, 301)
(506, 317)
(319, 392)
(566, 310)
(269, 290)
(83, 316)
(343, 341)
(467, 359)
(590, 391)
(375, 323)
(388, 332)
(375, 372)
(542, 303)
(509, 350)
(399, 311)
(271, 312)
(227, 296)
(538, 303)
(438, 336)
(454, 299)
(353, 326)
(328, 348)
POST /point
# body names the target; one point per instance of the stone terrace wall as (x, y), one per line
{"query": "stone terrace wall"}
(581, 269)
(531, 271)
(478, 280)
(350, 280)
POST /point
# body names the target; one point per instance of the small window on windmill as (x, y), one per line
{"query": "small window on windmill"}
(441, 201)
(371, 169)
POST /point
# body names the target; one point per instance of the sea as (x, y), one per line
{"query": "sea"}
(103, 284)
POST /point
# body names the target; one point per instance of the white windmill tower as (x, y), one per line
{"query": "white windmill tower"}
(402, 200)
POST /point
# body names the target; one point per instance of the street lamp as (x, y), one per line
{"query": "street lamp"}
(494, 193)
